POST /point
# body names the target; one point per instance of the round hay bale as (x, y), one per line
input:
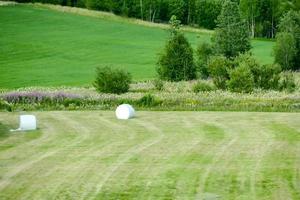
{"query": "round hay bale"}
(125, 111)
(27, 122)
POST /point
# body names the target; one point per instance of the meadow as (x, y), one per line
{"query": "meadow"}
(48, 56)
(44, 45)
(157, 155)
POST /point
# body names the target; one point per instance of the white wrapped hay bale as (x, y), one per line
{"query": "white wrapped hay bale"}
(125, 111)
(27, 122)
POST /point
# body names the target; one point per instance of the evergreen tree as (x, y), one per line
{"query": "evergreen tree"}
(203, 54)
(176, 63)
(207, 13)
(231, 36)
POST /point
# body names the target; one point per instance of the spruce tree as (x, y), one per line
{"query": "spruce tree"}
(231, 36)
(176, 63)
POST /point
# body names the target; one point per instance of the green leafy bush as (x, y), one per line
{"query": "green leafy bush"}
(265, 76)
(268, 77)
(287, 82)
(148, 100)
(4, 105)
(241, 79)
(285, 50)
(158, 84)
(202, 87)
(203, 53)
(109, 80)
(218, 68)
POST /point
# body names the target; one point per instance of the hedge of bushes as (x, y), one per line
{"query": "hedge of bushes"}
(150, 99)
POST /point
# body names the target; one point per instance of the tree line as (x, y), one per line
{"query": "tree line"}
(227, 60)
(263, 16)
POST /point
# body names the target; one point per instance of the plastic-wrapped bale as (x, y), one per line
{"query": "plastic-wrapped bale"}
(125, 111)
(27, 122)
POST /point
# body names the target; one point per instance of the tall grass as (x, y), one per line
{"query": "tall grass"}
(174, 96)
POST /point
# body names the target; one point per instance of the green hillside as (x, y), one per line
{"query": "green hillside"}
(43, 47)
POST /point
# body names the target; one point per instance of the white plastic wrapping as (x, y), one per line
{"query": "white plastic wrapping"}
(27, 122)
(125, 111)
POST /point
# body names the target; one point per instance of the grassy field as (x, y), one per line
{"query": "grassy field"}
(157, 155)
(45, 47)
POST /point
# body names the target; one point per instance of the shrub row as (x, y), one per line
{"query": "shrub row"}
(244, 74)
(209, 101)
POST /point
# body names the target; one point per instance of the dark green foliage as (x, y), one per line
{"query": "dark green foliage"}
(174, 25)
(176, 8)
(148, 100)
(262, 15)
(202, 87)
(241, 79)
(4, 105)
(207, 13)
(158, 84)
(218, 68)
(268, 77)
(285, 50)
(265, 76)
(105, 5)
(231, 37)
(203, 53)
(287, 82)
(109, 80)
(176, 63)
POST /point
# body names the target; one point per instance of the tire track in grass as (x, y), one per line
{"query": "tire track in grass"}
(145, 169)
(77, 126)
(208, 128)
(165, 154)
(91, 152)
(34, 142)
(106, 148)
(224, 146)
(260, 151)
(219, 151)
(192, 147)
(84, 128)
(7, 178)
(124, 157)
(114, 125)
(133, 170)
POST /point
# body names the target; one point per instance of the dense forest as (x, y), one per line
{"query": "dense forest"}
(262, 16)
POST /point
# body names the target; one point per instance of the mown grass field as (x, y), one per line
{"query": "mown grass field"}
(157, 155)
(44, 47)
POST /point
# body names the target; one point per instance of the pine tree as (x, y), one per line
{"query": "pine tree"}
(176, 63)
(232, 36)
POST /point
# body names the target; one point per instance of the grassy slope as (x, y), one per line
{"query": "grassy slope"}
(48, 48)
(191, 155)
